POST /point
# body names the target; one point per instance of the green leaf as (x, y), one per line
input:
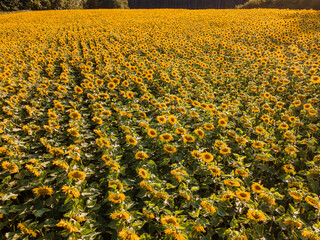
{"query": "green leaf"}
(41, 211)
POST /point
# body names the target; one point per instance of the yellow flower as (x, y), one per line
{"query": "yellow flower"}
(207, 157)
(115, 198)
(43, 191)
(256, 187)
(152, 133)
(170, 220)
(222, 123)
(97, 120)
(243, 195)
(256, 215)
(26, 229)
(11, 167)
(161, 119)
(77, 175)
(199, 132)
(131, 140)
(120, 216)
(172, 119)
(75, 115)
(71, 192)
(169, 149)
(143, 173)
(141, 155)
(67, 225)
(188, 138)
(166, 137)
(225, 150)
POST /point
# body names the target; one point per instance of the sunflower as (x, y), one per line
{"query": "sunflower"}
(312, 201)
(170, 220)
(215, 171)
(288, 168)
(167, 137)
(169, 149)
(260, 130)
(26, 229)
(209, 208)
(225, 150)
(152, 133)
(180, 131)
(131, 140)
(71, 192)
(290, 150)
(43, 191)
(106, 113)
(199, 132)
(222, 123)
(243, 195)
(97, 120)
(116, 198)
(111, 85)
(11, 167)
(258, 144)
(296, 195)
(188, 138)
(293, 222)
(256, 187)
(208, 126)
(75, 115)
(256, 215)
(231, 183)
(67, 225)
(161, 119)
(77, 175)
(307, 106)
(141, 155)
(172, 119)
(207, 157)
(73, 132)
(198, 228)
(142, 173)
(227, 196)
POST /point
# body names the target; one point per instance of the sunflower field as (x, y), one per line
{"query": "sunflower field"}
(160, 124)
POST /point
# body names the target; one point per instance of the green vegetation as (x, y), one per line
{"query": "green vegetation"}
(292, 4)
(15, 5)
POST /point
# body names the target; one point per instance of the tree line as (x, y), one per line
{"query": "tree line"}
(13, 5)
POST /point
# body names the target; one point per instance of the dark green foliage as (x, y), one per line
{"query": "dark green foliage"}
(293, 4)
(14, 5)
